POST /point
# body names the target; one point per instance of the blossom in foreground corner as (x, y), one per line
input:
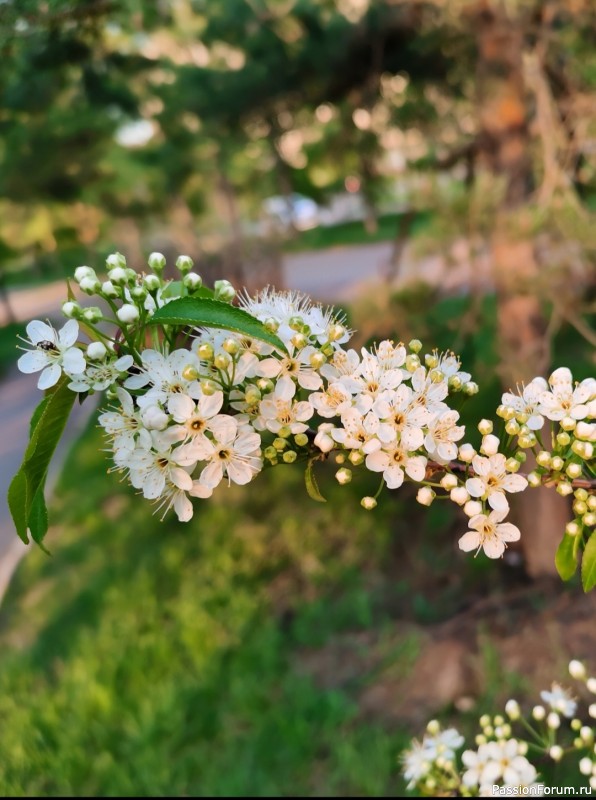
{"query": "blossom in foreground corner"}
(495, 762)
(53, 352)
(490, 533)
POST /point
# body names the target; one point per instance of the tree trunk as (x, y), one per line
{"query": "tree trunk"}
(524, 349)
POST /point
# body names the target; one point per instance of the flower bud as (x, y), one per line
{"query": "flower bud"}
(466, 453)
(209, 387)
(564, 489)
(581, 494)
(512, 465)
(90, 285)
(490, 445)
(563, 439)
(425, 496)
(591, 501)
(356, 458)
(252, 395)
(585, 430)
(115, 260)
(512, 709)
(539, 713)
(485, 427)
(567, 423)
(138, 293)
(128, 314)
(190, 372)
(317, 360)
(592, 710)
(591, 684)
(543, 458)
(459, 495)
(184, 264)
(270, 324)
(553, 721)
(577, 670)
(301, 439)
(324, 442)
(157, 262)
(270, 453)
(534, 480)
(436, 376)
(470, 388)
(152, 283)
(71, 309)
(231, 346)
(556, 752)
(343, 476)
(290, 456)
(412, 362)
(118, 276)
(81, 273)
(526, 440)
(433, 727)
(92, 315)
(192, 281)
(109, 290)
(299, 341)
(574, 470)
(431, 360)
(280, 443)
(586, 734)
(572, 528)
(415, 345)
(205, 351)
(455, 383)
(585, 766)
(512, 427)
(154, 419)
(222, 361)
(557, 463)
(335, 332)
(589, 519)
(265, 385)
(97, 351)
(224, 291)
(448, 482)
(368, 503)
(473, 507)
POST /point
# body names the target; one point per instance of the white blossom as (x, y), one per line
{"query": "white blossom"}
(53, 352)
(492, 480)
(490, 533)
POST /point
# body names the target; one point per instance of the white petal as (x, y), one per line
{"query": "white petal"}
(210, 405)
(498, 501)
(49, 377)
(69, 334)
(73, 361)
(181, 478)
(200, 490)
(394, 477)
(33, 361)
(212, 475)
(224, 428)
(240, 472)
(153, 485)
(469, 541)
(475, 487)
(38, 331)
(508, 532)
(181, 407)
(183, 507)
(493, 547)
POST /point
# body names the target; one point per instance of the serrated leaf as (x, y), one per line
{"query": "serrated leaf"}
(177, 289)
(25, 494)
(207, 313)
(589, 564)
(565, 558)
(311, 483)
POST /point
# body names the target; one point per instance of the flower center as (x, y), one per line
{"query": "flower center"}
(197, 425)
(223, 454)
(162, 462)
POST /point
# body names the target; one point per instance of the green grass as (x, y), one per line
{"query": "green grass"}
(8, 344)
(352, 233)
(145, 658)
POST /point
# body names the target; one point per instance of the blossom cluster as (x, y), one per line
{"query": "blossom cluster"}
(194, 406)
(439, 766)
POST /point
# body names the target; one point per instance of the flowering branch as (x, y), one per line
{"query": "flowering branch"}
(225, 391)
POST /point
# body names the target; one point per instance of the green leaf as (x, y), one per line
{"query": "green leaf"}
(177, 289)
(311, 483)
(25, 494)
(589, 564)
(565, 558)
(206, 313)
(38, 518)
